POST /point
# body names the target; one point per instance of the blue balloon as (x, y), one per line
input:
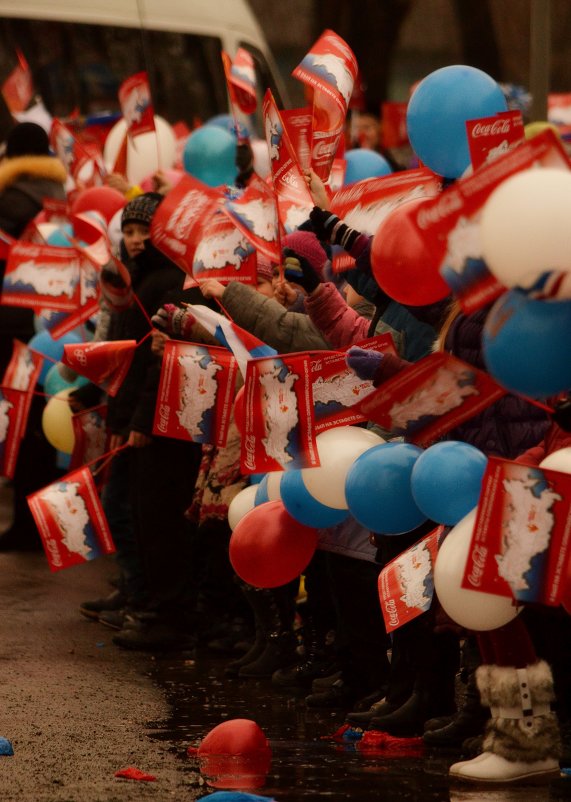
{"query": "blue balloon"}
(61, 236)
(378, 489)
(527, 347)
(438, 110)
(43, 343)
(227, 122)
(256, 478)
(446, 481)
(210, 155)
(303, 507)
(54, 382)
(363, 163)
(261, 496)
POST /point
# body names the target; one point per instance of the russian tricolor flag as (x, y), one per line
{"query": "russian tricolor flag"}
(243, 345)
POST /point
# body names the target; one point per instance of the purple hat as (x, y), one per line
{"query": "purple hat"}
(306, 244)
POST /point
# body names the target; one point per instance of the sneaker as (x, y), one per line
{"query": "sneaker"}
(114, 601)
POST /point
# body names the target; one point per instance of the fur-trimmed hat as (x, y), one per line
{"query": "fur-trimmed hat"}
(141, 209)
(27, 139)
(306, 244)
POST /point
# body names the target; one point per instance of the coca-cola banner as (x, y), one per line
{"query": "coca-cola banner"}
(80, 163)
(104, 363)
(279, 427)
(491, 137)
(241, 81)
(224, 252)
(450, 224)
(255, 214)
(18, 88)
(177, 225)
(90, 436)
(196, 393)
(394, 130)
(330, 69)
(336, 388)
(429, 398)
(136, 104)
(406, 584)
(14, 408)
(41, 276)
(521, 541)
(70, 520)
(298, 124)
(22, 373)
(294, 198)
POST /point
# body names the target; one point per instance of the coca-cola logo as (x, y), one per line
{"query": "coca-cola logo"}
(448, 203)
(250, 449)
(324, 150)
(479, 554)
(164, 414)
(491, 129)
(79, 356)
(317, 365)
(391, 608)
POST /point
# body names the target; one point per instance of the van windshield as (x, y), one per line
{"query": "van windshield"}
(79, 67)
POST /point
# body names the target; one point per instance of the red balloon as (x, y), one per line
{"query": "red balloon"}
(106, 200)
(269, 548)
(402, 265)
(235, 754)
(239, 410)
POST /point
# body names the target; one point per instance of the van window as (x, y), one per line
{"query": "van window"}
(264, 80)
(80, 66)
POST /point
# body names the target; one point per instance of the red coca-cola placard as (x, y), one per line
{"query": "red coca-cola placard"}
(279, 425)
(224, 252)
(136, 104)
(41, 276)
(521, 543)
(255, 213)
(104, 363)
(22, 373)
(430, 397)
(178, 223)
(298, 124)
(406, 584)
(492, 137)
(91, 438)
(394, 131)
(14, 408)
(70, 520)
(196, 393)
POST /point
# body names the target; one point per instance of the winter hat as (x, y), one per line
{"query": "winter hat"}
(27, 139)
(306, 245)
(141, 209)
(264, 267)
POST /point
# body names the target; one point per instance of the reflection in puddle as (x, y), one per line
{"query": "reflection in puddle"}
(303, 766)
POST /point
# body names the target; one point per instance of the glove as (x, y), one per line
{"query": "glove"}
(363, 362)
(330, 228)
(298, 270)
(175, 321)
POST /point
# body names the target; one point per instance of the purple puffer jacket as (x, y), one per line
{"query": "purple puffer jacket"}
(511, 425)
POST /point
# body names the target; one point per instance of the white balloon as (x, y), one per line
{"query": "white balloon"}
(558, 461)
(338, 449)
(273, 485)
(525, 226)
(468, 608)
(142, 154)
(241, 504)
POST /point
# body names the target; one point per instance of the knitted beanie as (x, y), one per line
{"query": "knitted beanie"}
(264, 267)
(306, 245)
(141, 209)
(27, 139)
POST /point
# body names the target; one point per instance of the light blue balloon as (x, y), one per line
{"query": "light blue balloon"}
(261, 496)
(363, 163)
(63, 460)
(54, 382)
(446, 481)
(227, 122)
(210, 155)
(438, 110)
(303, 507)
(527, 347)
(378, 489)
(43, 343)
(256, 478)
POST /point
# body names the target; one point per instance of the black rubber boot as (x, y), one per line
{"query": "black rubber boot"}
(317, 660)
(232, 669)
(274, 611)
(469, 721)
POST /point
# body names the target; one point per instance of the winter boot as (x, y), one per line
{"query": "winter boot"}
(468, 722)
(522, 742)
(316, 662)
(274, 611)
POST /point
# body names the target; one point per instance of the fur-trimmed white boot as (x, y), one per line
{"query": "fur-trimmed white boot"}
(522, 737)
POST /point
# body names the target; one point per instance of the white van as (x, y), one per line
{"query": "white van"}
(81, 50)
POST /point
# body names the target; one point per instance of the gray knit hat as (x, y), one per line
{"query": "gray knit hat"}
(141, 209)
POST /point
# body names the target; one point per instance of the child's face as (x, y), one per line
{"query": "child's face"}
(134, 236)
(265, 287)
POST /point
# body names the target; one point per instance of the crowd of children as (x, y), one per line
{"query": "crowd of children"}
(166, 502)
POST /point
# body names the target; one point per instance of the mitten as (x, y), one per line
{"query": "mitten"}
(363, 362)
(330, 228)
(298, 270)
(175, 321)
